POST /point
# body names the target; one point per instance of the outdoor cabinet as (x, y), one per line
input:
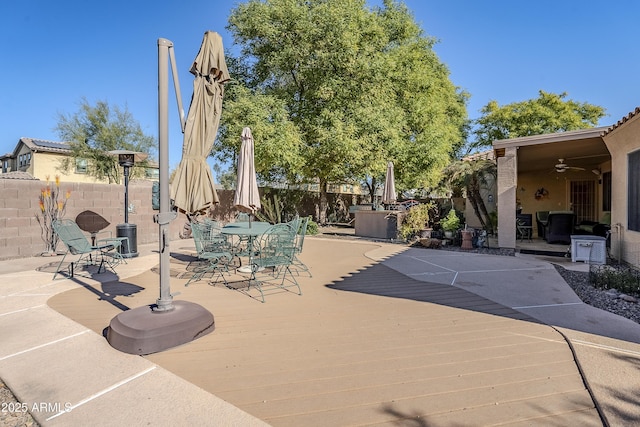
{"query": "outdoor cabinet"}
(377, 224)
(589, 249)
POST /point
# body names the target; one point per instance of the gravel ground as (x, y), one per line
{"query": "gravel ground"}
(12, 414)
(609, 300)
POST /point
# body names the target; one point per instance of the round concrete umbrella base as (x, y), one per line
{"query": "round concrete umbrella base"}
(144, 331)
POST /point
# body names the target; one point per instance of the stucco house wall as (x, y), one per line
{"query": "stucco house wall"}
(47, 164)
(622, 139)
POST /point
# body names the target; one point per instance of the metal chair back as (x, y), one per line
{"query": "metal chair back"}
(78, 244)
(212, 246)
(276, 253)
(71, 235)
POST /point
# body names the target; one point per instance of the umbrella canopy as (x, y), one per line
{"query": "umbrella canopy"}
(247, 198)
(193, 189)
(389, 194)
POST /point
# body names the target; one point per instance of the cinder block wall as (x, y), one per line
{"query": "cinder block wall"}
(20, 231)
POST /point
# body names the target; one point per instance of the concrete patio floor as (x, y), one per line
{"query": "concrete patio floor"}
(382, 335)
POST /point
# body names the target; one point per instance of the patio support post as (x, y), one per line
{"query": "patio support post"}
(507, 185)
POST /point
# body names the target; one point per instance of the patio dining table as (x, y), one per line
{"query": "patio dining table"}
(248, 230)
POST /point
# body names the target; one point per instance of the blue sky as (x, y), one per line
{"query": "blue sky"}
(55, 53)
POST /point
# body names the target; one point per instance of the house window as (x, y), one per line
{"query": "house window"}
(28, 162)
(5, 166)
(633, 195)
(606, 191)
(81, 165)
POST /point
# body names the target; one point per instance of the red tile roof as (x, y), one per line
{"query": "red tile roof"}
(622, 121)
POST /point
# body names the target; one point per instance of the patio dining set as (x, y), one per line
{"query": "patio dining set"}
(263, 254)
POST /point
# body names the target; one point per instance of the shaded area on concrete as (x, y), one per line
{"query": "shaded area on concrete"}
(107, 289)
(384, 281)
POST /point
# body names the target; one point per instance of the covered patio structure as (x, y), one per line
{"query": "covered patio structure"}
(530, 180)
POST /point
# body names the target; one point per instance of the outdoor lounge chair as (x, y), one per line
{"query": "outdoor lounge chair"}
(276, 250)
(104, 250)
(541, 222)
(560, 226)
(213, 248)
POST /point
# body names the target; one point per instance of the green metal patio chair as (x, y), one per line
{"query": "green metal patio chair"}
(78, 244)
(213, 248)
(297, 265)
(272, 266)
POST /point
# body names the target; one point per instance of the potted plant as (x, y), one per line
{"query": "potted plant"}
(450, 223)
(416, 221)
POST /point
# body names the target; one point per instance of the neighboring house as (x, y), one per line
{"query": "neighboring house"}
(594, 173)
(42, 159)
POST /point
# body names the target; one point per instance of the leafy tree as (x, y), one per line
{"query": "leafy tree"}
(334, 90)
(548, 113)
(94, 130)
(226, 178)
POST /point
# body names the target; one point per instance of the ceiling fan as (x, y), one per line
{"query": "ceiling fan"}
(563, 167)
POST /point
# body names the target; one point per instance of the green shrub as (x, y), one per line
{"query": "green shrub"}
(451, 222)
(416, 220)
(312, 227)
(623, 279)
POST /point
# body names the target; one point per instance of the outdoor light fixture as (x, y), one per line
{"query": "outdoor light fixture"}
(129, 247)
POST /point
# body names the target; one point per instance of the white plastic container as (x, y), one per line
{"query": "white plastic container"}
(589, 249)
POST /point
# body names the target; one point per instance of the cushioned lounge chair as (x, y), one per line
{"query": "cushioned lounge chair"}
(560, 226)
(541, 222)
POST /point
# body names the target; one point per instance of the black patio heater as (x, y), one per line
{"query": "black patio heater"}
(129, 246)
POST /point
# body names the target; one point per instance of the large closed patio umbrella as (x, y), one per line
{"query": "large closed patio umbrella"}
(389, 193)
(152, 328)
(193, 188)
(247, 198)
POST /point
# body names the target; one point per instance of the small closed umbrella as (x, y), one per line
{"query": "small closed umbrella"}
(247, 198)
(193, 189)
(389, 194)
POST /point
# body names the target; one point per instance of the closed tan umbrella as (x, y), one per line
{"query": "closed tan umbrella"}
(192, 188)
(389, 194)
(247, 198)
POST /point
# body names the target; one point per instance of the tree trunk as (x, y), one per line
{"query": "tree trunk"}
(372, 190)
(472, 197)
(322, 212)
(479, 208)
